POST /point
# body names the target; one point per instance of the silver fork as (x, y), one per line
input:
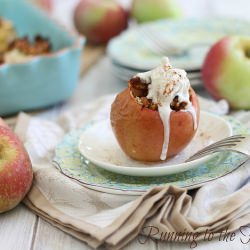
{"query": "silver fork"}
(157, 46)
(164, 47)
(236, 143)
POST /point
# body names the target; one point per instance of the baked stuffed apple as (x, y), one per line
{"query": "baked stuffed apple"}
(157, 115)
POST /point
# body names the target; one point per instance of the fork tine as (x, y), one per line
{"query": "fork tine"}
(220, 145)
(234, 137)
(194, 157)
(231, 139)
(157, 46)
(203, 152)
(157, 39)
(160, 47)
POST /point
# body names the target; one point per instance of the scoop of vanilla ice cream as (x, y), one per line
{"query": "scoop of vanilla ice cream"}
(165, 83)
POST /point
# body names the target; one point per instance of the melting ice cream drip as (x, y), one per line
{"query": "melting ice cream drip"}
(165, 83)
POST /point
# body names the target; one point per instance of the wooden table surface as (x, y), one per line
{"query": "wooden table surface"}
(20, 229)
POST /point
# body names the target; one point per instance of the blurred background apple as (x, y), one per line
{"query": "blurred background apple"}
(226, 71)
(63, 9)
(15, 169)
(150, 10)
(45, 4)
(100, 20)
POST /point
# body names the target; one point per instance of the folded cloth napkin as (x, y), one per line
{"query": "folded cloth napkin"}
(110, 220)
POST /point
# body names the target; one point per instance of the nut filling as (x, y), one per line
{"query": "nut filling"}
(139, 91)
(40, 46)
(22, 47)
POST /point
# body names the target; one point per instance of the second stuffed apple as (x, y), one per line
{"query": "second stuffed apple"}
(226, 71)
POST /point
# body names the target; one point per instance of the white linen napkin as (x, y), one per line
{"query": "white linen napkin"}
(113, 220)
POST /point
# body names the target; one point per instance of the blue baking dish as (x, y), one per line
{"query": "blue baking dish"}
(43, 80)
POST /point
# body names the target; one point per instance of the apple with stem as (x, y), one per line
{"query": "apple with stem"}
(15, 169)
(226, 71)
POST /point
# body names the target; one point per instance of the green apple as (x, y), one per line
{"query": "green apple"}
(150, 10)
(226, 71)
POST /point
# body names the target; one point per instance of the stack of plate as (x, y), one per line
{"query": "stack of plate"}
(185, 42)
(124, 73)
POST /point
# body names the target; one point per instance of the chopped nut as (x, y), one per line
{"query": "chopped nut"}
(176, 105)
(145, 102)
(139, 91)
(138, 88)
(154, 106)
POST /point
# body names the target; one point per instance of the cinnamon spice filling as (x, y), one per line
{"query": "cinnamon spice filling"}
(139, 91)
(40, 46)
(138, 88)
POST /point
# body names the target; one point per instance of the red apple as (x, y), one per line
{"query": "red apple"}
(100, 20)
(226, 71)
(45, 4)
(140, 132)
(15, 169)
(150, 10)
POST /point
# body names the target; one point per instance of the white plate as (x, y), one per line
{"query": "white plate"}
(131, 49)
(98, 144)
(125, 74)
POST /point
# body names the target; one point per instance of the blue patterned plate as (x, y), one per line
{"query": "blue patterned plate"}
(99, 145)
(71, 163)
(132, 49)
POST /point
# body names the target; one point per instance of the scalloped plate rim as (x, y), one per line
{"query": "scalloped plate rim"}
(116, 190)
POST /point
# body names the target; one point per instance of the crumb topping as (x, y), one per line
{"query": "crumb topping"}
(139, 90)
(40, 46)
(14, 49)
